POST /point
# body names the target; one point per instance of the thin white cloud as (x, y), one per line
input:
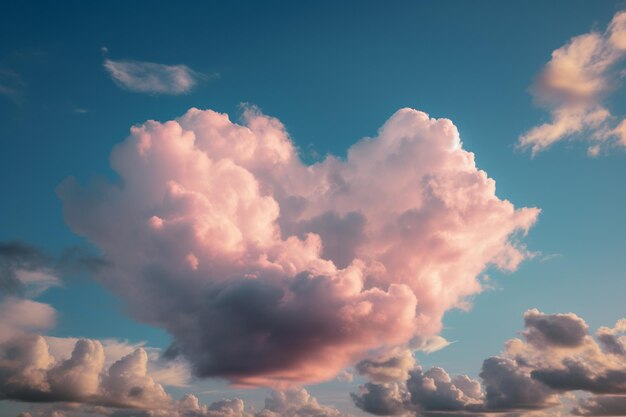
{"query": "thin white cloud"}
(152, 78)
(11, 85)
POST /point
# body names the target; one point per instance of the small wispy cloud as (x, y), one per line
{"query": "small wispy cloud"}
(152, 78)
(11, 84)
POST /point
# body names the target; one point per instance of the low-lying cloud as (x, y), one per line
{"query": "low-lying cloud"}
(267, 271)
(63, 377)
(83, 385)
(556, 356)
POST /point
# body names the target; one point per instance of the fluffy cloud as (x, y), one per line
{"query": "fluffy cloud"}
(152, 78)
(81, 385)
(435, 391)
(20, 316)
(425, 393)
(166, 371)
(269, 271)
(612, 339)
(573, 86)
(295, 403)
(79, 377)
(510, 387)
(383, 399)
(556, 357)
(564, 330)
(28, 372)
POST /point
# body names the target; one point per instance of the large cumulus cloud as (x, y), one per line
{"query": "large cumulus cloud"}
(266, 270)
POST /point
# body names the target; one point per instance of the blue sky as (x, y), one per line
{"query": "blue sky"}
(332, 74)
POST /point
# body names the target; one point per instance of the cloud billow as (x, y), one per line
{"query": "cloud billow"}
(82, 385)
(269, 271)
(556, 356)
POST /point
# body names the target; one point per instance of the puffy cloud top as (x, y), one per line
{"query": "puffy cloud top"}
(566, 330)
(266, 270)
(556, 357)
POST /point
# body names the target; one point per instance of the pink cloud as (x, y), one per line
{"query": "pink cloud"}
(573, 86)
(268, 271)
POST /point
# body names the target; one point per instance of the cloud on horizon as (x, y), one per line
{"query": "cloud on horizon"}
(267, 271)
(557, 356)
(67, 376)
(573, 87)
(152, 78)
(82, 385)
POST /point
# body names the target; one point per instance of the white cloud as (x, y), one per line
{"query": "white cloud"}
(152, 78)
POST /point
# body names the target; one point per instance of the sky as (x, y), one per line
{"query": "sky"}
(312, 208)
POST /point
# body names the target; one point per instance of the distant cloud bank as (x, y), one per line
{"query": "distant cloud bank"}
(556, 356)
(152, 78)
(573, 87)
(67, 376)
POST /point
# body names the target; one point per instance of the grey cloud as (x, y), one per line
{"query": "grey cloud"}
(434, 390)
(295, 403)
(18, 257)
(612, 339)
(610, 405)
(576, 375)
(431, 392)
(29, 373)
(565, 330)
(386, 399)
(612, 344)
(558, 356)
(507, 387)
